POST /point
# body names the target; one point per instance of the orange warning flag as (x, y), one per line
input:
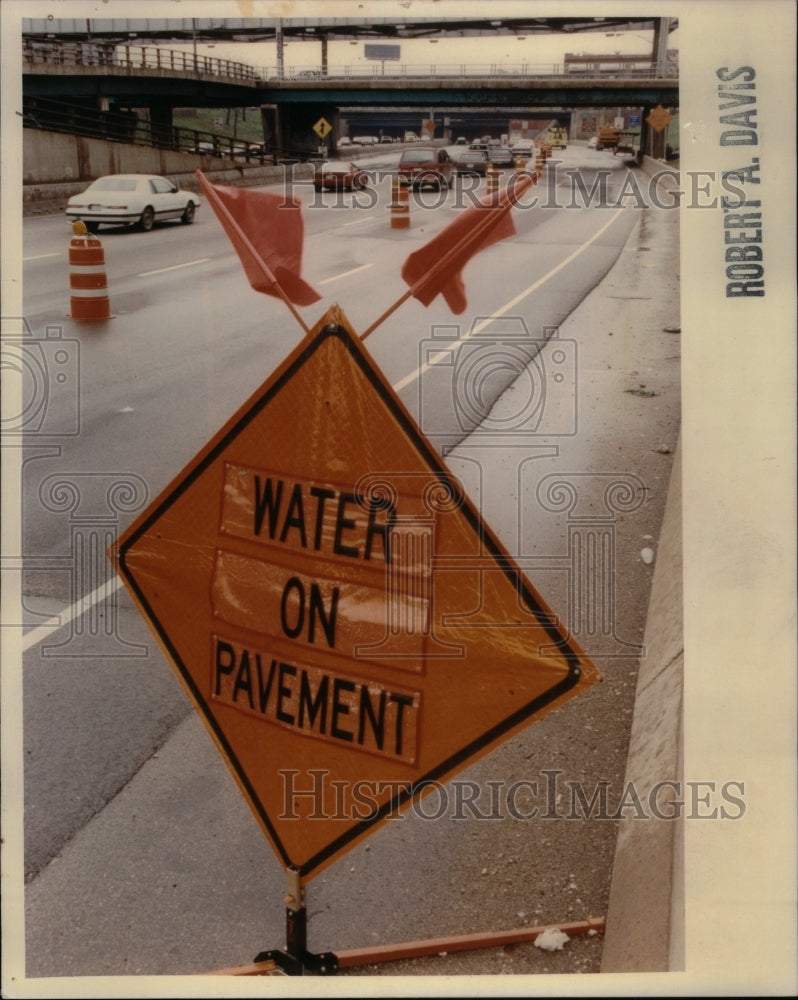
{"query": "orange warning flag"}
(436, 266)
(267, 232)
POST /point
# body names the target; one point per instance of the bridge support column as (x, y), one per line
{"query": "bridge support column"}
(295, 126)
(270, 121)
(661, 34)
(652, 143)
(161, 125)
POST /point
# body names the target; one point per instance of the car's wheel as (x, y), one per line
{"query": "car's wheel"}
(147, 219)
(93, 227)
(188, 216)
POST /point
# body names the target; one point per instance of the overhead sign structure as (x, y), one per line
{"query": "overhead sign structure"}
(322, 128)
(346, 624)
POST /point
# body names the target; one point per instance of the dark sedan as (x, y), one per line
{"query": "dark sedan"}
(472, 161)
(339, 175)
(501, 156)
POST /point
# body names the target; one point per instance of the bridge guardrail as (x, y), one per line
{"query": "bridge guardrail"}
(134, 57)
(121, 126)
(469, 71)
(129, 57)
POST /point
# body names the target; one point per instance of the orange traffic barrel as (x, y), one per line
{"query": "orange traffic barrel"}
(492, 175)
(88, 281)
(400, 205)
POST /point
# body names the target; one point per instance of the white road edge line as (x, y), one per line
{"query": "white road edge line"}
(41, 256)
(437, 358)
(345, 274)
(106, 589)
(80, 607)
(173, 267)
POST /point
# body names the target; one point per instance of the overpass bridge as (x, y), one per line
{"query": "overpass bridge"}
(102, 68)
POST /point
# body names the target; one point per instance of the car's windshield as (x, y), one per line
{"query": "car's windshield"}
(417, 156)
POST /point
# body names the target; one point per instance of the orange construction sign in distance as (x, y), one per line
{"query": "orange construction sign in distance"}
(659, 118)
(344, 621)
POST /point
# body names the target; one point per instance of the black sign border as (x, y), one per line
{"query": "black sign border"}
(505, 562)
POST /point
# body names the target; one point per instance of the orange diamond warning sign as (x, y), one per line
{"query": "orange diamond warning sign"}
(659, 118)
(347, 626)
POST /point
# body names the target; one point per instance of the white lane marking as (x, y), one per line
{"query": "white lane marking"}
(437, 358)
(358, 222)
(40, 256)
(80, 607)
(105, 590)
(174, 267)
(345, 274)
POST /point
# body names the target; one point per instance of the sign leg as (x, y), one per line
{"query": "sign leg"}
(295, 959)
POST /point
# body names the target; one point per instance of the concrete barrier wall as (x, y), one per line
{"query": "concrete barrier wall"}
(48, 157)
(645, 915)
(56, 166)
(57, 158)
(652, 167)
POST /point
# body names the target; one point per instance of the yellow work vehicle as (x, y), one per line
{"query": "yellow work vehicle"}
(608, 137)
(557, 138)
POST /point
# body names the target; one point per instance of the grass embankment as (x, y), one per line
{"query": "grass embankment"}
(239, 123)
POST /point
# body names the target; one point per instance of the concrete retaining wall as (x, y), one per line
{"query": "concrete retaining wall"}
(56, 166)
(651, 166)
(56, 158)
(645, 916)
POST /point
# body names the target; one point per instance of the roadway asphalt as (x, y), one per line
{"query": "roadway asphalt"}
(174, 878)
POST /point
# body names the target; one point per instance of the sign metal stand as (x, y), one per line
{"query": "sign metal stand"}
(296, 960)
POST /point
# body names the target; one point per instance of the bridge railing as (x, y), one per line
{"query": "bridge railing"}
(471, 71)
(128, 127)
(129, 57)
(134, 57)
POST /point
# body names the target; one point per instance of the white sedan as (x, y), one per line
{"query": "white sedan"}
(131, 199)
